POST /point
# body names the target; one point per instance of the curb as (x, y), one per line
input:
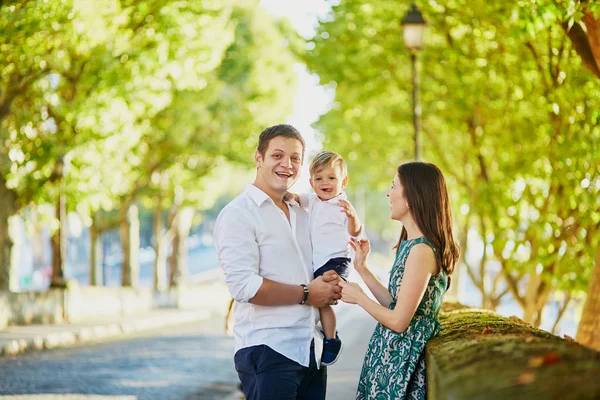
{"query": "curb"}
(95, 333)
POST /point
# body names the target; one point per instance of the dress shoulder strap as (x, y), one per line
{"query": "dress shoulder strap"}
(423, 239)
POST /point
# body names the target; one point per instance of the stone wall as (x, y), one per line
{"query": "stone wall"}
(31, 308)
(481, 355)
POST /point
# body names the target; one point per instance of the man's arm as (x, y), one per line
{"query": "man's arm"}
(322, 291)
(237, 249)
(239, 258)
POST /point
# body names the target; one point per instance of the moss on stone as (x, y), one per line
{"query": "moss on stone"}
(482, 355)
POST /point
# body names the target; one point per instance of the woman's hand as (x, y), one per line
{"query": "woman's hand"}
(351, 292)
(361, 248)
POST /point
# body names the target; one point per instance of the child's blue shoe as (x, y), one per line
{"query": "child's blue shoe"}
(332, 348)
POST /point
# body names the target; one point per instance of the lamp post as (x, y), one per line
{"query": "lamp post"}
(413, 26)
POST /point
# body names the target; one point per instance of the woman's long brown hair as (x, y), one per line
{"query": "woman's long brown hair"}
(427, 197)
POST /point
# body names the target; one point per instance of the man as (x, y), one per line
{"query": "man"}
(265, 251)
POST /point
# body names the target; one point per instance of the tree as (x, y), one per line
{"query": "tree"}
(31, 61)
(129, 95)
(587, 44)
(580, 22)
(495, 92)
(249, 90)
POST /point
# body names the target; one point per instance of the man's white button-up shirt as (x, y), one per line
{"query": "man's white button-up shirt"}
(255, 240)
(328, 228)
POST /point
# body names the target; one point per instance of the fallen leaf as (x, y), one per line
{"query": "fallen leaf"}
(526, 378)
(551, 358)
(487, 330)
(536, 361)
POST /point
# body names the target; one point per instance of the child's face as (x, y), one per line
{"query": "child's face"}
(328, 182)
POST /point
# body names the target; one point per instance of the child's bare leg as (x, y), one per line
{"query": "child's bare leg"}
(328, 321)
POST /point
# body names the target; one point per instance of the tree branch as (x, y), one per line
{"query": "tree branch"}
(512, 286)
(553, 75)
(561, 311)
(477, 283)
(538, 62)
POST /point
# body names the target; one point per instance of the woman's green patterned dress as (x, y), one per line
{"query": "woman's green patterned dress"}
(394, 366)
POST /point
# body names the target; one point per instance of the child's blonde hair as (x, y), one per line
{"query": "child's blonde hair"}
(328, 158)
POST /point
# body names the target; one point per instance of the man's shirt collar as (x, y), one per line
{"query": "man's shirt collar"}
(259, 197)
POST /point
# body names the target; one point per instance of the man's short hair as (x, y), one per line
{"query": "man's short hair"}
(328, 158)
(285, 130)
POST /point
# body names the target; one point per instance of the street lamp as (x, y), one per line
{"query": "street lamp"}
(413, 26)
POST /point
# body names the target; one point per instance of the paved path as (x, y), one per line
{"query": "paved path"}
(190, 361)
(355, 327)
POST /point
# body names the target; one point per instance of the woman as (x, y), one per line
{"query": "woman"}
(407, 311)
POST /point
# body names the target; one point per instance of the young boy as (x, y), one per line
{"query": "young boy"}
(332, 221)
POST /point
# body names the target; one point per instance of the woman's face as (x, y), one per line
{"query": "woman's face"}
(398, 205)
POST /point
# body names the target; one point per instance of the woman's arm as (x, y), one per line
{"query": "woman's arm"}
(420, 266)
(376, 287)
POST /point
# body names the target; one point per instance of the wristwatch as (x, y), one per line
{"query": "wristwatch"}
(305, 293)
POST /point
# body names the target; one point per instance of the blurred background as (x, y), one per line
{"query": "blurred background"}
(125, 127)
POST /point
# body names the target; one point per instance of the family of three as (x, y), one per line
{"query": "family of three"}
(286, 259)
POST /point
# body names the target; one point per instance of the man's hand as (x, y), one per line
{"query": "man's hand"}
(324, 290)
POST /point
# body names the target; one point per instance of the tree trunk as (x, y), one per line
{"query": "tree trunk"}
(530, 309)
(95, 255)
(487, 301)
(178, 259)
(130, 243)
(161, 242)
(59, 240)
(586, 42)
(455, 281)
(37, 239)
(174, 258)
(588, 332)
(8, 206)
(101, 222)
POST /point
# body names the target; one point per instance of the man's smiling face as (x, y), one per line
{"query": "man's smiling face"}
(279, 169)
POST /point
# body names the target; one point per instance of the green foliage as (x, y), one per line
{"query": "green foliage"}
(509, 114)
(139, 98)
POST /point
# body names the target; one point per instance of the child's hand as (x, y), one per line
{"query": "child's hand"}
(291, 196)
(354, 224)
(347, 209)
